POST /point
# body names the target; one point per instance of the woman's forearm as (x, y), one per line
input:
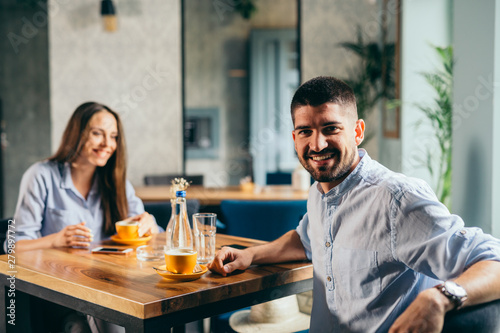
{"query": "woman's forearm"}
(35, 244)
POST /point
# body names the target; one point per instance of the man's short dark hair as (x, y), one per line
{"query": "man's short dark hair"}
(323, 89)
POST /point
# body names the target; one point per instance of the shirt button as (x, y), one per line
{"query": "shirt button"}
(329, 278)
(463, 231)
(327, 244)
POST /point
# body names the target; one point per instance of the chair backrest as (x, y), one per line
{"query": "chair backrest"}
(264, 220)
(482, 318)
(4, 226)
(156, 180)
(163, 210)
(279, 178)
(167, 179)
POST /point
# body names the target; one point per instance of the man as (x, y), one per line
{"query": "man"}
(379, 241)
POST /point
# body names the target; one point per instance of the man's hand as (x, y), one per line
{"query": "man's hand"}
(286, 248)
(229, 259)
(425, 313)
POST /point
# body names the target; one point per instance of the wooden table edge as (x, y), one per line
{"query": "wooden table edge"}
(85, 293)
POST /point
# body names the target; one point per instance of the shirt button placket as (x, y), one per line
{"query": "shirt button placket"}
(328, 248)
(329, 280)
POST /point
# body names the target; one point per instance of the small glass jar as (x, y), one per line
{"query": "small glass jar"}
(150, 252)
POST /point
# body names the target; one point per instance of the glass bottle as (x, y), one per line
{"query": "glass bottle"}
(179, 235)
(170, 224)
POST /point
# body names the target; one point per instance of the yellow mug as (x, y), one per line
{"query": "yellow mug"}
(180, 261)
(127, 229)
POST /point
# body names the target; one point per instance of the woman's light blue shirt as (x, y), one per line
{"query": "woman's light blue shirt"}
(48, 202)
(376, 240)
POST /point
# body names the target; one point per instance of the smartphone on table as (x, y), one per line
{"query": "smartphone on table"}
(236, 246)
(111, 250)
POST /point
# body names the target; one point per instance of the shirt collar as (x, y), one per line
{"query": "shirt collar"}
(350, 181)
(67, 181)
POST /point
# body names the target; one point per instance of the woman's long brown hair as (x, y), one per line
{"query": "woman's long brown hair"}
(111, 177)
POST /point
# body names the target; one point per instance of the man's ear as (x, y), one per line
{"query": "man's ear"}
(360, 131)
(294, 142)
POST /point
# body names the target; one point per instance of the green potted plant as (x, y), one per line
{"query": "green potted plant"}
(439, 113)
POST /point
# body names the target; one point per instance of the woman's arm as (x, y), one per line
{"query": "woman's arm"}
(147, 223)
(72, 235)
(30, 208)
(31, 202)
(35, 189)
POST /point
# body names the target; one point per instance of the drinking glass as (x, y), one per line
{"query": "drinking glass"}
(204, 230)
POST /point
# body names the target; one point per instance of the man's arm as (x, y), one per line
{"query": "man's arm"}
(286, 248)
(426, 313)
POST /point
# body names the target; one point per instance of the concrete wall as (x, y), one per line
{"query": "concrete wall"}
(24, 91)
(135, 70)
(69, 59)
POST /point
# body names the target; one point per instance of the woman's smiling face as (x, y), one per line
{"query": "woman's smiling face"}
(101, 141)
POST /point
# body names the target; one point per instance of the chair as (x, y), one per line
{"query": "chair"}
(483, 318)
(278, 178)
(167, 179)
(264, 220)
(163, 210)
(4, 226)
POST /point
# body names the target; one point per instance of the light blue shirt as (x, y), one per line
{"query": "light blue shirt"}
(376, 240)
(48, 202)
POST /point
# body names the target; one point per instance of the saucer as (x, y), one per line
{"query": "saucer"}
(182, 277)
(131, 241)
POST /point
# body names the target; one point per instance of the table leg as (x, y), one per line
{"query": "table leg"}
(149, 326)
(3, 307)
(179, 329)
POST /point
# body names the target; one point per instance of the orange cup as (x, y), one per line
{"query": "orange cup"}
(127, 229)
(180, 261)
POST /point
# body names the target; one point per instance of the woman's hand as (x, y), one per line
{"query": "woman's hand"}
(147, 224)
(73, 235)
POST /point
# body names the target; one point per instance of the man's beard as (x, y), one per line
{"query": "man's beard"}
(327, 174)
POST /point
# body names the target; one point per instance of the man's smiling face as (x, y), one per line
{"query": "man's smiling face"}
(326, 139)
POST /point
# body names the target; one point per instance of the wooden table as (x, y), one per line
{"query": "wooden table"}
(213, 196)
(128, 292)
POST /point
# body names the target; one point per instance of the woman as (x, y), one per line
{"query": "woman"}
(77, 195)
